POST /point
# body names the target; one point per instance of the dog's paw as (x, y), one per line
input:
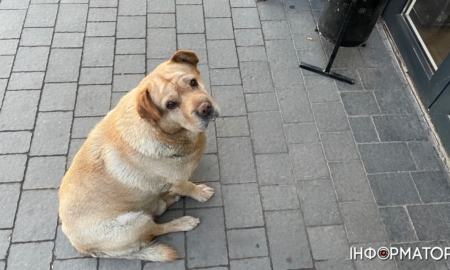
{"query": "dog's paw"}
(205, 193)
(188, 223)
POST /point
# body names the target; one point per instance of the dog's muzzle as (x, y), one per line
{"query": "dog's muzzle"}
(206, 112)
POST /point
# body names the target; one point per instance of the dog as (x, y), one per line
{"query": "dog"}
(136, 163)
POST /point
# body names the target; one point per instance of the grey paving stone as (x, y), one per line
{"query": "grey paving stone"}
(52, 133)
(31, 59)
(227, 76)
(93, 100)
(117, 264)
(30, 256)
(25, 81)
(82, 126)
(350, 181)
(328, 242)
(50, 177)
(242, 3)
(279, 197)
(204, 72)
(339, 146)
(71, 18)
(8, 46)
(11, 22)
(301, 21)
(245, 18)
(129, 64)
(432, 186)
(250, 54)
(394, 102)
(399, 128)
(175, 265)
(100, 29)
(161, 6)
(6, 63)
(294, 103)
(308, 161)
(261, 102)
(267, 132)
(236, 160)
(380, 78)
(219, 28)
(424, 155)
(363, 129)
(98, 51)
(125, 83)
(9, 198)
(216, 200)
(393, 189)
(306, 40)
(41, 15)
(330, 117)
(346, 58)
(68, 40)
(19, 110)
(74, 1)
(232, 127)
(190, 19)
(36, 216)
(160, 20)
(2, 265)
(271, 10)
(248, 37)
(63, 247)
(274, 169)
(115, 98)
(276, 30)
(45, 1)
(281, 54)
(217, 8)
(96, 76)
(256, 77)
(64, 65)
(211, 143)
(14, 4)
(287, 77)
(5, 236)
(161, 42)
(247, 243)
(397, 224)
(321, 89)
(175, 240)
(210, 230)
(335, 264)
(406, 263)
(189, 2)
(301, 133)
(103, 14)
(318, 202)
(36, 37)
(58, 97)
(374, 263)
(314, 57)
(12, 167)
(242, 205)
(362, 222)
(386, 157)
(430, 221)
(351, 73)
(3, 84)
(217, 49)
(132, 7)
(207, 170)
(359, 103)
(231, 100)
(193, 42)
(14, 142)
(76, 264)
(375, 57)
(130, 46)
(287, 238)
(75, 145)
(250, 264)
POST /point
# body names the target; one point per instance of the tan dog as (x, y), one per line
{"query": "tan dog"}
(136, 162)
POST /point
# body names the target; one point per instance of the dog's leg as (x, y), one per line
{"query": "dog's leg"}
(201, 193)
(165, 202)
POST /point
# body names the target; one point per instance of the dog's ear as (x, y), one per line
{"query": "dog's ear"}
(145, 106)
(185, 56)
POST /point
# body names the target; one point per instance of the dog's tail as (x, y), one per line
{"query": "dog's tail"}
(153, 251)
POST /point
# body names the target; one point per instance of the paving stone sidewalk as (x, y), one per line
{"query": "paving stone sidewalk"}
(303, 167)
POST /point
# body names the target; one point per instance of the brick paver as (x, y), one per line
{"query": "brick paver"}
(303, 167)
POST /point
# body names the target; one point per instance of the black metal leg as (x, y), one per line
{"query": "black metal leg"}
(327, 71)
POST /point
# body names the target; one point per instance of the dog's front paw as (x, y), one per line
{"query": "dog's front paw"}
(188, 223)
(204, 193)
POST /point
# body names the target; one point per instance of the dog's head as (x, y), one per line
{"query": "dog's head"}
(174, 96)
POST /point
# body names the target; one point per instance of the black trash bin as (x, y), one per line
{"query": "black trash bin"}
(361, 23)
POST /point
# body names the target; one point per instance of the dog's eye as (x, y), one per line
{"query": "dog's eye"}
(171, 105)
(194, 83)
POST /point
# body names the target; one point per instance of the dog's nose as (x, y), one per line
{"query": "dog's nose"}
(205, 109)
